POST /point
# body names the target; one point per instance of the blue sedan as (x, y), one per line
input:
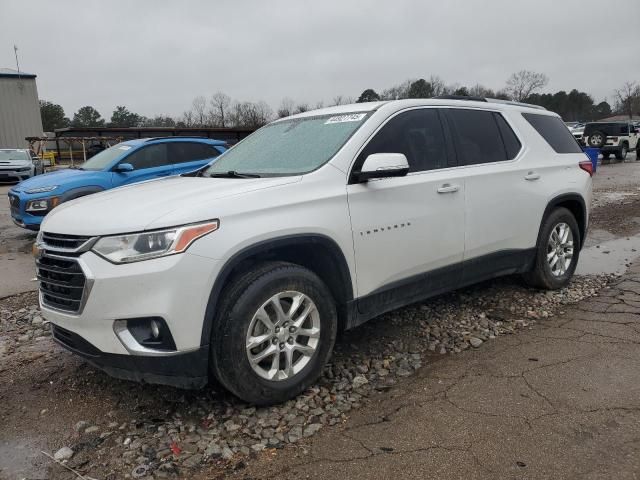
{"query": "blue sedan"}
(128, 162)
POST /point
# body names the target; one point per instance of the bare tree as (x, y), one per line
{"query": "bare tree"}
(250, 115)
(628, 99)
(187, 119)
(319, 104)
(397, 92)
(301, 108)
(339, 100)
(199, 107)
(523, 83)
(286, 108)
(437, 86)
(219, 104)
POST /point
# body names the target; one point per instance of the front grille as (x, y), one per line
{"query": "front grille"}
(62, 282)
(64, 242)
(73, 341)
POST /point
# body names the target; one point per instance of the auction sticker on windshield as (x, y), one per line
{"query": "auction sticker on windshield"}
(351, 117)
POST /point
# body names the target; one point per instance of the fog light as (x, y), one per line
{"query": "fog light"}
(145, 335)
(155, 329)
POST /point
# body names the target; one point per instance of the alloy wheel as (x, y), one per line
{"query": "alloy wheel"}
(560, 249)
(283, 336)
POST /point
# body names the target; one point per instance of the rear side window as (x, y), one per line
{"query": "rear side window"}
(479, 138)
(418, 134)
(511, 143)
(554, 132)
(181, 152)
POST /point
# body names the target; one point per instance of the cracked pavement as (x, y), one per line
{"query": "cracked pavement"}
(561, 400)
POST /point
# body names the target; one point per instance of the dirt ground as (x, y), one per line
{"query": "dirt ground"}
(49, 391)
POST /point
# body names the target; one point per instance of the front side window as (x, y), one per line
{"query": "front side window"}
(289, 147)
(150, 156)
(182, 152)
(555, 133)
(105, 158)
(479, 139)
(417, 134)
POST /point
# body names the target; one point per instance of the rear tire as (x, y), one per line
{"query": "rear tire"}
(249, 315)
(553, 268)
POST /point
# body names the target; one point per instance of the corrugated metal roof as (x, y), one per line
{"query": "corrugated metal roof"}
(10, 72)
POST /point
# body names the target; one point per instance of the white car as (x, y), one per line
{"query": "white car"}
(17, 164)
(247, 270)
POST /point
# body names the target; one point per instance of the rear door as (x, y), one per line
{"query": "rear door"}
(408, 232)
(500, 210)
(149, 162)
(189, 156)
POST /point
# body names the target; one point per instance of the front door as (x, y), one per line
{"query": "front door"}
(408, 232)
(149, 162)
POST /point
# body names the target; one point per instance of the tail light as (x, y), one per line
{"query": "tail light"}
(587, 166)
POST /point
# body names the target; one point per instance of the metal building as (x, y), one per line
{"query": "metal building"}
(19, 108)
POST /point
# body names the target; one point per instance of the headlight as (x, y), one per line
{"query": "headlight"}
(42, 204)
(136, 247)
(24, 169)
(48, 188)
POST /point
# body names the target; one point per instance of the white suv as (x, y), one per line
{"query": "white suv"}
(246, 270)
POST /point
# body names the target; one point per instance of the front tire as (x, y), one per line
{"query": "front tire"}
(622, 153)
(557, 251)
(275, 331)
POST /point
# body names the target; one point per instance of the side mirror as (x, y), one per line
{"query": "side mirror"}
(383, 165)
(123, 168)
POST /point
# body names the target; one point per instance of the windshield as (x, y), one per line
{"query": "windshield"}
(13, 155)
(103, 159)
(289, 147)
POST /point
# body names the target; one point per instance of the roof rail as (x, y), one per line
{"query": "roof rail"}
(181, 137)
(489, 100)
(512, 102)
(461, 97)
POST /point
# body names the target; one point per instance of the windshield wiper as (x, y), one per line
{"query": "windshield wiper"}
(75, 167)
(234, 174)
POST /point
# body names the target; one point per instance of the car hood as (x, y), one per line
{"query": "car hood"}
(153, 204)
(59, 177)
(15, 163)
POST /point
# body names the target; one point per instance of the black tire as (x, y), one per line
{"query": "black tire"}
(241, 300)
(622, 153)
(597, 139)
(541, 276)
(638, 151)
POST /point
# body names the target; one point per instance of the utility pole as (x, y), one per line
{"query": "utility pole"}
(15, 50)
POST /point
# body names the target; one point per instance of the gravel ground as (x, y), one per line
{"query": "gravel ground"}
(158, 432)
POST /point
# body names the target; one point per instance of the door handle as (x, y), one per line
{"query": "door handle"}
(532, 176)
(448, 188)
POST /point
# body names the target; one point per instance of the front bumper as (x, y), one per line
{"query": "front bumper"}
(22, 218)
(175, 288)
(185, 370)
(10, 175)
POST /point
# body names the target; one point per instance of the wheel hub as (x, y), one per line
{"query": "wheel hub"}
(560, 249)
(283, 335)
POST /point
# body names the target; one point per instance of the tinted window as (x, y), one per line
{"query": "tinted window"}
(181, 152)
(554, 132)
(148, 157)
(479, 139)
(416, 133)
(511, 143)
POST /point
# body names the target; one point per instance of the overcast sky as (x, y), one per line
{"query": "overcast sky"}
(156, 56)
